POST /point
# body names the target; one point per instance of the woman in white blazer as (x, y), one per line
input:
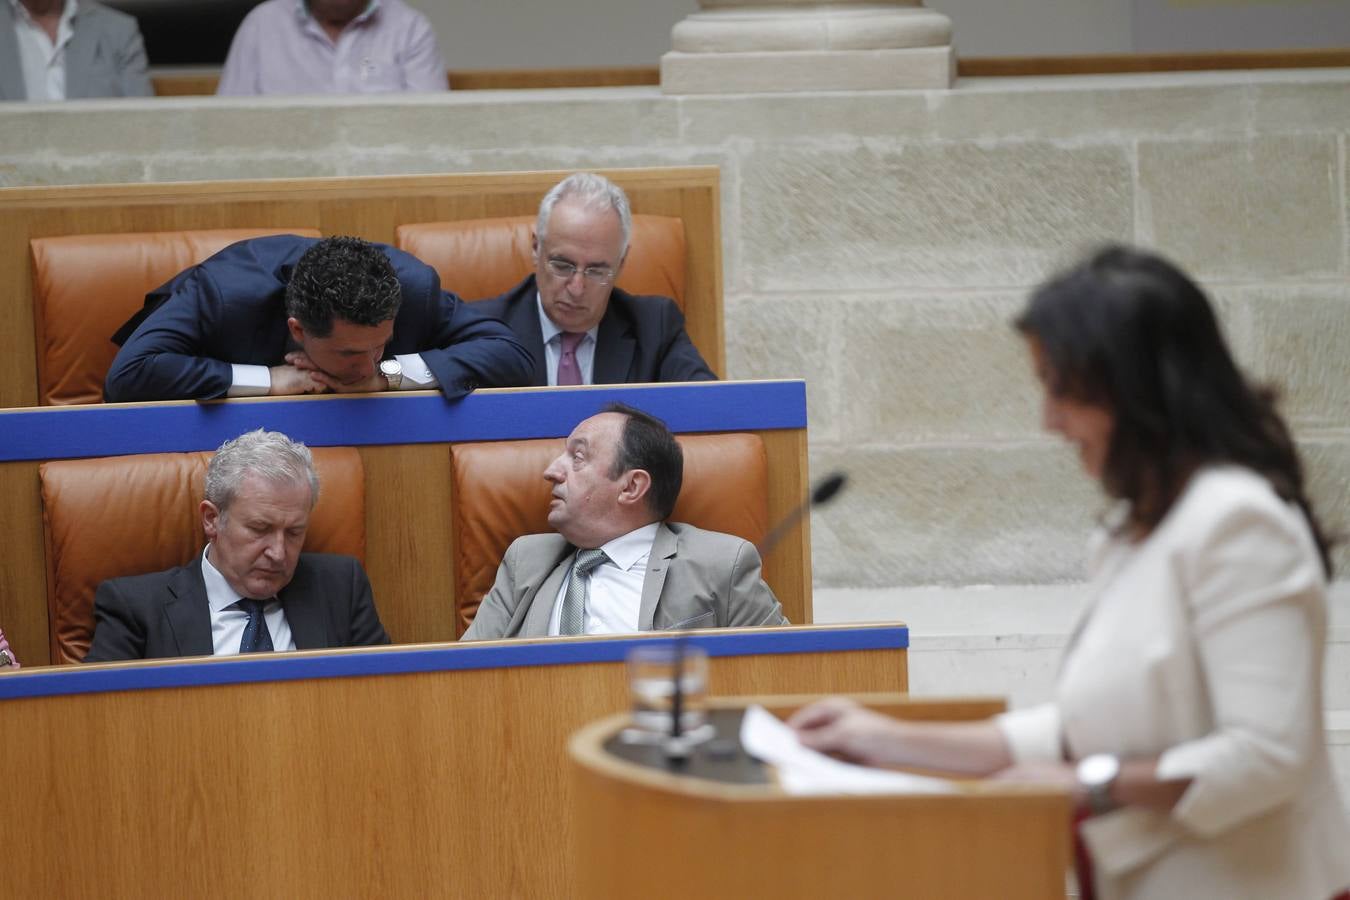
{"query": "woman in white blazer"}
(1187, 717)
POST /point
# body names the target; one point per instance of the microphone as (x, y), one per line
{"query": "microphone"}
(825, 490)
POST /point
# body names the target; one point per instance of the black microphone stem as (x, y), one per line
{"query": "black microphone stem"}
(825, 490)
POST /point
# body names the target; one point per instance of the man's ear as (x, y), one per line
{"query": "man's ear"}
(534, 246)
(623, 259)
(211, 519)
(637, 482)
(296, 329)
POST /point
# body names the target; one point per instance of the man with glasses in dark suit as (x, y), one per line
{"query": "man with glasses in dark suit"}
(579, 326)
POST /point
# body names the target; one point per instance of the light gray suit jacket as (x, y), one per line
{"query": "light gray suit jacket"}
(695, 579)
(105, 56)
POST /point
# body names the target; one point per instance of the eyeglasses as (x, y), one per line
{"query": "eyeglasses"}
(564, 270)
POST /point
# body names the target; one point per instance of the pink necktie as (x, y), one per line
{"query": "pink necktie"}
(568, 370)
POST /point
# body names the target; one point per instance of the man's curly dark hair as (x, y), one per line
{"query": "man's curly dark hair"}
(345, 278)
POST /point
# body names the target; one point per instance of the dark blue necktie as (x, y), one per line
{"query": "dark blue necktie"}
(256, 639)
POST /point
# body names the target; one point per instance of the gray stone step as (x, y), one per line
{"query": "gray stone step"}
(1008, 640)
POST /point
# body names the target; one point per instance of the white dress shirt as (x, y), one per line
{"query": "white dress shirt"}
(616, 585)
(553, 348)
(280, 48)
(255, 381)
(43, 60)
(228, 620)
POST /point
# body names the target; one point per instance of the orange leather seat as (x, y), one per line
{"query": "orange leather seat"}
(128, 515)
(498, 493)
(85, 286)
(481, 258)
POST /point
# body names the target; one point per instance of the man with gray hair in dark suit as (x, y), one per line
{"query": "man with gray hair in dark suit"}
(251, 590)
(569, 314)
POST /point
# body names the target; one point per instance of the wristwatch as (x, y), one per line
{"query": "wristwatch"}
(392, 370)
(1097, 774)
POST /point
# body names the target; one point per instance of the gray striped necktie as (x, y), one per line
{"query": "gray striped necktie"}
(573, 619)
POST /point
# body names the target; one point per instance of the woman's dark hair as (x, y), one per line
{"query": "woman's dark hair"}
(1129, 331)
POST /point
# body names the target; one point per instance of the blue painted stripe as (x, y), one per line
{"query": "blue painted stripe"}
(439, 658)
(419, 418)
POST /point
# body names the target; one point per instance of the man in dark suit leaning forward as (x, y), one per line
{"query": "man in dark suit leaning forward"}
(616, 565)
(252, 589)
(285, 315)
(568, 314)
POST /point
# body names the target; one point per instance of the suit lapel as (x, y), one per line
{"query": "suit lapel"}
(80, 52)
(522, 317)
(614, 348)
(188, 611)
(12, 86)
(540, 611)
(305, 611)
(658, 563)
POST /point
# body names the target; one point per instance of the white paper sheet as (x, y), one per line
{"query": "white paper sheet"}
(802, 770)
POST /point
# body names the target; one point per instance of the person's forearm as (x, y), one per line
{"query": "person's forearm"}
(1138, 785)
(964, 748)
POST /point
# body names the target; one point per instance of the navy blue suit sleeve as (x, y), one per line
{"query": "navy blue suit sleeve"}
(165, 357)
(680, 359)
(464, 348)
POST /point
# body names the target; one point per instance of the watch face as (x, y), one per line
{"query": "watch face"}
(391, 367)
(1098, 769)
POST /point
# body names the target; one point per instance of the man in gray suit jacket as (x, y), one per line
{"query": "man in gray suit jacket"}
(48, 53)
(616, 565)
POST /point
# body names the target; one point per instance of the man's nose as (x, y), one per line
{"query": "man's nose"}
(366, 365)
(275, 548)
(554, 471)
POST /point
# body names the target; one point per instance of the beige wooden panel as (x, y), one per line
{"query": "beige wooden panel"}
(787, 567)
(1113, 63)
(451, 782)
(23, 571)
(185, 84)
(408, 553)
(371, 208)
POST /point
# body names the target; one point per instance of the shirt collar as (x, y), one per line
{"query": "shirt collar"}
(550, 330)
(302, 11)
(627, 550)
(67, 12)
(219, 594)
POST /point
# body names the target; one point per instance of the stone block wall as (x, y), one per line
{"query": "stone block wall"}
(878, 244)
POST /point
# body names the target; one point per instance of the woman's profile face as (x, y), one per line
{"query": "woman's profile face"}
(1088, 426)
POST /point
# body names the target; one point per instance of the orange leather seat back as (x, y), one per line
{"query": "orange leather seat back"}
(481, 258)
(129, 515)
(86, 285)
(499, 493)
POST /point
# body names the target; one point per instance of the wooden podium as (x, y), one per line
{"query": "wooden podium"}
(649, 830)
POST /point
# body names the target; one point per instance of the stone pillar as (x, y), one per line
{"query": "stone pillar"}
(735, 46)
